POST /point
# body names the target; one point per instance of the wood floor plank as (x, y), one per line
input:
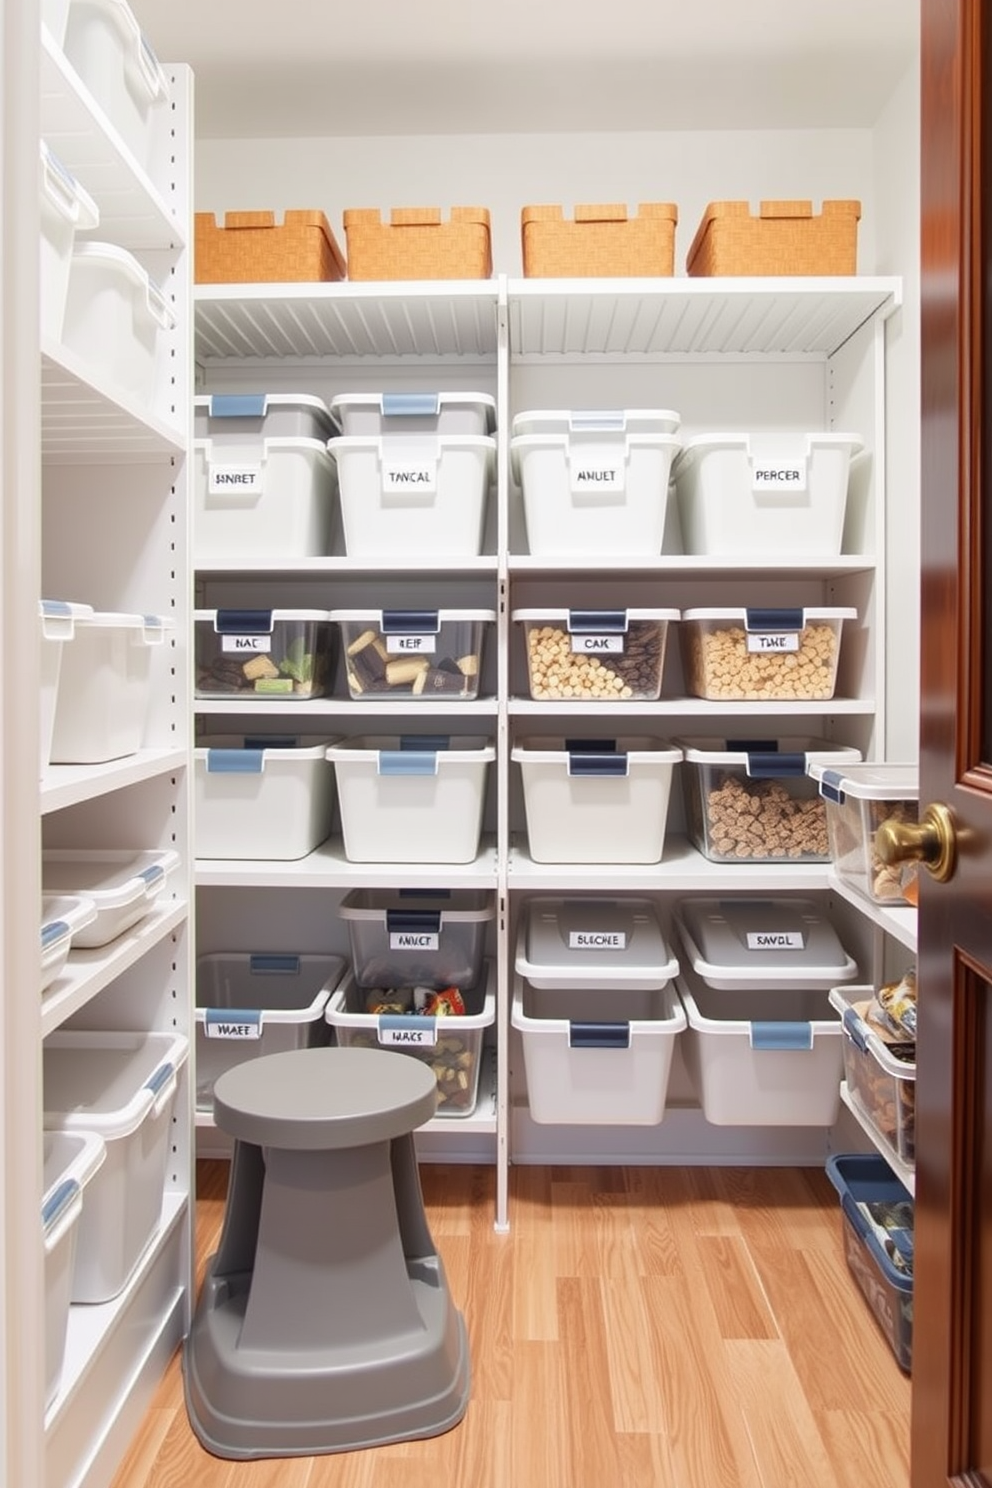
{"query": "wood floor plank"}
(136, 1469)
(780, 1205)
(485, 1297)
(781, 1427)
(633, 1363)
(866, 1446)
(735, 1288)
(650, 1195)
(591, 1436)
(540, 1453)
(645, 1461)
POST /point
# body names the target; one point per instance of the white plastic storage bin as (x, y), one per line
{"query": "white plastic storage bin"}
(762, 1058)
(117, 320)
(858, 799)
(122, 1086)
(594, 484)
(272, 497)
(752, 943)
(57, 618)
(778, 494)
(250, 1003)
(261, 796)
(237, 423)
(427, 654)
(66, 208)
(450, 1045)
(63, 917)
(752, 801)
(605, 656)
(108, 50)
(71, 1161)
(588, 944)
(597, 1058)
(880, 1075)
(124, 885)
(757, 655)
(417, 937)
(400, 414)
(411, 798)
(414, 496)
(263, 653)
(596, 800)
(104, 687)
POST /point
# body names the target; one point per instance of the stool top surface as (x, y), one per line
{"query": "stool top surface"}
(318, 1099)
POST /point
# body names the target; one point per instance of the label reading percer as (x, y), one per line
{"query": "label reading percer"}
(765, 642)
(597, 940)
(775, 940)
(778, 475)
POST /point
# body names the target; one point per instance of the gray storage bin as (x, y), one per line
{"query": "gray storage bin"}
(417, 937)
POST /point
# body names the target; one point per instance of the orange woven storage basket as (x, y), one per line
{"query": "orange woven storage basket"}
(251, 249)
(784, 238)
(416, 244)
(601, 242)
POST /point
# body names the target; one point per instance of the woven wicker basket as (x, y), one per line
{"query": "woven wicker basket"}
(251, 249)
(601, 242)
(416, 244)
(784, 238)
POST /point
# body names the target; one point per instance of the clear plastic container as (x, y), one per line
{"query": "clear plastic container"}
(417, 937)
(415, 413)
(57, 618)
(761, 654)
(427, 654)
(881, 1080)
(117, 320)
(104, 687)
(66, 208)
(123, 885)
(268, 796)
(858, 799)
(752, 801)
(63, 916)
(588, 944)
(751, 943)
(883, 1271)
(263, 653)
(595, 655)
(116, 63)
(71, 1161)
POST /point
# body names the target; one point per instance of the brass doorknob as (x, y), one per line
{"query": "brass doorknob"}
(931, 841)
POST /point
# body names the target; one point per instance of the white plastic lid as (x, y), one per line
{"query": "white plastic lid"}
(70, 1160)
(542, 616)
(126, 266)
(868, 782)
(596, 421)
(59, 617)
(463, 906)
(444, 617)
(278, 748)
(740, 614)
(386, 444)
(152, 627)
(71, 200)
(61, 916)
(590, 943)
(756, 942)
(737, 751)
(110, 879)
(208, 401)
(555, 750)
(108, 1082)
(770, 442)
(456, 749)
(209, 617)
(417, 405)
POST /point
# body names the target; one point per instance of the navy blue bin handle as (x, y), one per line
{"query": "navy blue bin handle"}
(427, 921)
(582, 1035)
(409, 622)
(831, 782)
(270, 964)
(774, 620)
(420, 742)
(243, 622)
(424, 894)
(762, 765)
(582, 763)
(592, 622)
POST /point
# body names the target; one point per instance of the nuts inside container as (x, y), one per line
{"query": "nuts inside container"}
(595, 656)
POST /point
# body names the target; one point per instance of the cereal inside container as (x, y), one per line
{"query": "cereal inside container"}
(859, 799)
(762, 654)
(595, 655)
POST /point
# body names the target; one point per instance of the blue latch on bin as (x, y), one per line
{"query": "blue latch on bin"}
(237, 405)
(780, 1037)
(410, 405)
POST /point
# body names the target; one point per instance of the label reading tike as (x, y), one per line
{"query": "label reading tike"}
(763, 641)
(414, 940)
(409, 477)
(598, 477)
(775, 940)
(778, 475)
(234, 480)
(246, 644)
(404, 645)
(597, 940)
(585, 644)
(424, 1038)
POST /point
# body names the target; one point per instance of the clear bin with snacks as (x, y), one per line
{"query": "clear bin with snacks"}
(880, 1070)
(750, 654)
(595, 655)
(263, 653)
(858, 800)
(427, 654)
(420, 937)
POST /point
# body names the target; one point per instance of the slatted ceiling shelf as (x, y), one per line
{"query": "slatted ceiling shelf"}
(79, 420)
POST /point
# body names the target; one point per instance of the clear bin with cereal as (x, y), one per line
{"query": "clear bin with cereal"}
(447, 1034)
(858, 800)
(427, 654)
(605, 656)
(880, 1069)
(760, 655)
(751, 800)
(263, 653)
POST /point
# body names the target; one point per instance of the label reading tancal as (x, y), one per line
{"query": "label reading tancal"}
(409, 477)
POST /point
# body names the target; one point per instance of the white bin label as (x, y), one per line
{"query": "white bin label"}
(412, 478)
(414, 940)
(775, 940)
(247, 644)
(251, 1030)
(596, 477)
(405, 645)
(410, 1038)
(234, 480)
(764, 642)
(584, 644)
(778, 475)
(597, 940)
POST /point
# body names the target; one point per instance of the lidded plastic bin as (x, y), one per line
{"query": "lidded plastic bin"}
(236, 422)
(601, 800)
(57, 619)
(268, 796)
(411, 798)
(123, 1087)
(595, 655)
(263, 653)
(417, 937)
(63, 916)
(66, 208)
(427, 654)
(759, 654)
(755, 942)
(416, 495)
(751, 800)
(771, 494)
(878, 1225)
(71, 1161)
(880, 1075)
(415, 413)
(104, 687)
(590, 944)
(114, 59)
(858, 799)
(594, 483)
(450, 1045)
(117, 320)
(250, 1003)
(124, 885)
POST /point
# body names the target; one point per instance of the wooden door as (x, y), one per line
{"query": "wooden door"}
(952, 1346)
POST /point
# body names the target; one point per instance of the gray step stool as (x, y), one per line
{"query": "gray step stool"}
(325, 1323)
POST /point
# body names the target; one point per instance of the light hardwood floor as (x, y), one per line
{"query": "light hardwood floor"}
(637, 1328)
